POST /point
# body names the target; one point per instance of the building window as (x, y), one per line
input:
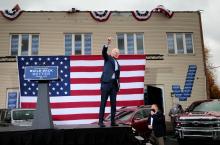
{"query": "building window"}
(130, 43)
(78, 44)
(180, 43)
(24, 44)
(12, 99)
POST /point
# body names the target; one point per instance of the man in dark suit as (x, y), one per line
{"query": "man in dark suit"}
(156, 122)
(110, 82)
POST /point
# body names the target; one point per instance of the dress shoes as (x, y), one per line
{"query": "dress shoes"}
(101, 124)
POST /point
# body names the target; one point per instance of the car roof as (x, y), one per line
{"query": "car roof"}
(20, 109)
(133, 108)
(206, 100)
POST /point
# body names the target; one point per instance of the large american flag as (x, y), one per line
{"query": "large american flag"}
(75, 97)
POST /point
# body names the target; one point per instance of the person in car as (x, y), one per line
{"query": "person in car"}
(110, 83)
(156, 122)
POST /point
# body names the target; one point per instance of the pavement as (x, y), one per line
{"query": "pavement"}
(172, 140)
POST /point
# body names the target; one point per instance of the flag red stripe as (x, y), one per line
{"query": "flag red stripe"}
(97, 80)
(84, 104)
(97, 92)
(99, 57)
(28, 105)
(100, 68)
(75, 116)
(95, 104)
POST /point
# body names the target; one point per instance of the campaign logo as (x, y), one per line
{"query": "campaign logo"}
(186, 92)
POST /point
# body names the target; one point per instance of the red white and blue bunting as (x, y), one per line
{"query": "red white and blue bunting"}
(162, 9)
(141, 15)
(13, 13)
(145, 15)
(100, 16)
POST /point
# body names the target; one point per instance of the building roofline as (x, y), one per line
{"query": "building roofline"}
(78, 11)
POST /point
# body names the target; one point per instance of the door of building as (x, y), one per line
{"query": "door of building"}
(153, 95)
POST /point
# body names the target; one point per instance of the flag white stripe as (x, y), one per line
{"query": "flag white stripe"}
(101, 62)
(98, 74)
(132, 85)
(81, 121)
(94, 98)
(81, 110)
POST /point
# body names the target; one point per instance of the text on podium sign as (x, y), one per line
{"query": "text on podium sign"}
(41, 73)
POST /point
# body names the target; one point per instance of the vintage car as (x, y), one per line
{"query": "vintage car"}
(136, 117)
(200, 120)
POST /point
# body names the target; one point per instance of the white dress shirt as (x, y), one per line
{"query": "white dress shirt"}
(116, 68)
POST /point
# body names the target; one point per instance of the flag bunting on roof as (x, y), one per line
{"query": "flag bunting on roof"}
(145, 15)
(100, 16)
(12, 14)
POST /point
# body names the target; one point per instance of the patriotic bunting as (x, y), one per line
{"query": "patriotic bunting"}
(145, 15)
(13, 13)
(162, 9)
(141, 15)
(100, 16)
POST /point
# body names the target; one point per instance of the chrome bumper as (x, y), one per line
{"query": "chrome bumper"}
(191, 132)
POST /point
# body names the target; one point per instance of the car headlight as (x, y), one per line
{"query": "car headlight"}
(178, 124)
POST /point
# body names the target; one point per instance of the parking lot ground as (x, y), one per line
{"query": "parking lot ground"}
(171, 140)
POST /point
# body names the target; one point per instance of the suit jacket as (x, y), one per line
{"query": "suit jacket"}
(159, 126)
(109, 68)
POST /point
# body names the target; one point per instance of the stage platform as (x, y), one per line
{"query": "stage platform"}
(67, 135)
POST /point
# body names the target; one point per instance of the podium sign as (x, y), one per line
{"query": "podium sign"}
(41, 73)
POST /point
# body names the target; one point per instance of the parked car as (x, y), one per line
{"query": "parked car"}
(18, 117)
(200, 120)
(136, 117)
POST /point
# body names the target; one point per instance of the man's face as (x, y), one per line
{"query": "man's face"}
(154, 107)
(115, 53)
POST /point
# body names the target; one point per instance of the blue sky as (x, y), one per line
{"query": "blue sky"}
(210, 14)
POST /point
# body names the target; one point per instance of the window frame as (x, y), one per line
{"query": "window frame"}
(20, 41)
(126, 42)
(184, 43)
(82, 42)
(10, 90)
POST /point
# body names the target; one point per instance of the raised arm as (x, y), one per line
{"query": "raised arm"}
(105, 49)
(104, 52)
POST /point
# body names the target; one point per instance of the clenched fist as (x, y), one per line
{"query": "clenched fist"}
(109, 40)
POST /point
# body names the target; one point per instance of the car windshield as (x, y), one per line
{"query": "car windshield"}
(121, 115)
(23, 114)
(207, 106)
(144, 113)
(125, 116)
